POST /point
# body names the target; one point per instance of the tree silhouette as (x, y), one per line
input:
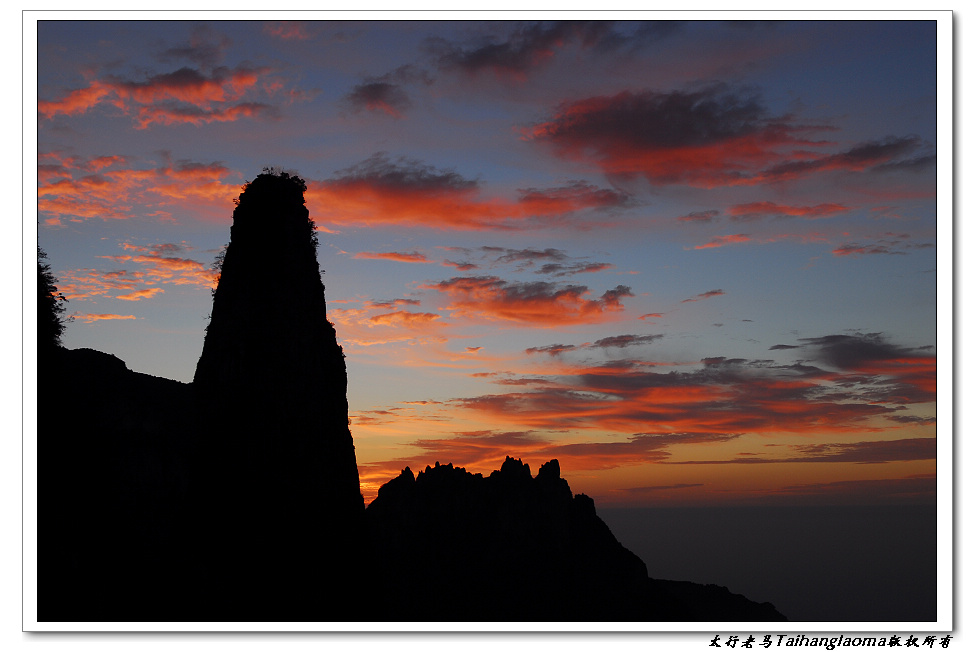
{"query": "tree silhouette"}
(50, 306)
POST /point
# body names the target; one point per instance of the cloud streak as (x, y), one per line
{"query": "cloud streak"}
(759, 210)
(186, 95)
(704, 295)
(88, 318)
(382, 191)
(108, 188)
(864, 452)
(890, 244)
(158, 265)
(708, 138)
(400, 257)
(645, 416)
(612, 342)
(725, 240)
(711, 137)
(513, 56)
(869, 380)
(539, 303)
(525, 48)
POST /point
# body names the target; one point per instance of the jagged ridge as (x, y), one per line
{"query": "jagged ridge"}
(511, 547)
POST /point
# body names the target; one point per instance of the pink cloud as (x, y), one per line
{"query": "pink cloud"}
(724, 240)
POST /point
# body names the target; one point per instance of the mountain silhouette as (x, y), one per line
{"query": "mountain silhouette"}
(512, 547)
(236, 497)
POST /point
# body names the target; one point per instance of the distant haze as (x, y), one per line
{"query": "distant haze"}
(818, 564)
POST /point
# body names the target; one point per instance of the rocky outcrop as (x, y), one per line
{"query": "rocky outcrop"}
(512, 547)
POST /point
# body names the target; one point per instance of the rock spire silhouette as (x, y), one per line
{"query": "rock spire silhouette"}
(278, 467)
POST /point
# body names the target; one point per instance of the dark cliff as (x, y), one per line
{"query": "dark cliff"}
(114, 448)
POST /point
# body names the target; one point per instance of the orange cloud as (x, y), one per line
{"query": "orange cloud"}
(76, 101)
(460, 267)
(90, 283)
(364, 204)
(186, 95)
(148, 115)
(115, 192)
(379, 323)
(539, 303)
(188, 85)
(577, 195)
(88, 318)
(138, 295)
(380, 191)
(404, 318)
(414, 257)
(157, 265)
(162, 266)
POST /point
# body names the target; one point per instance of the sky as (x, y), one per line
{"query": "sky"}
(694, 261)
